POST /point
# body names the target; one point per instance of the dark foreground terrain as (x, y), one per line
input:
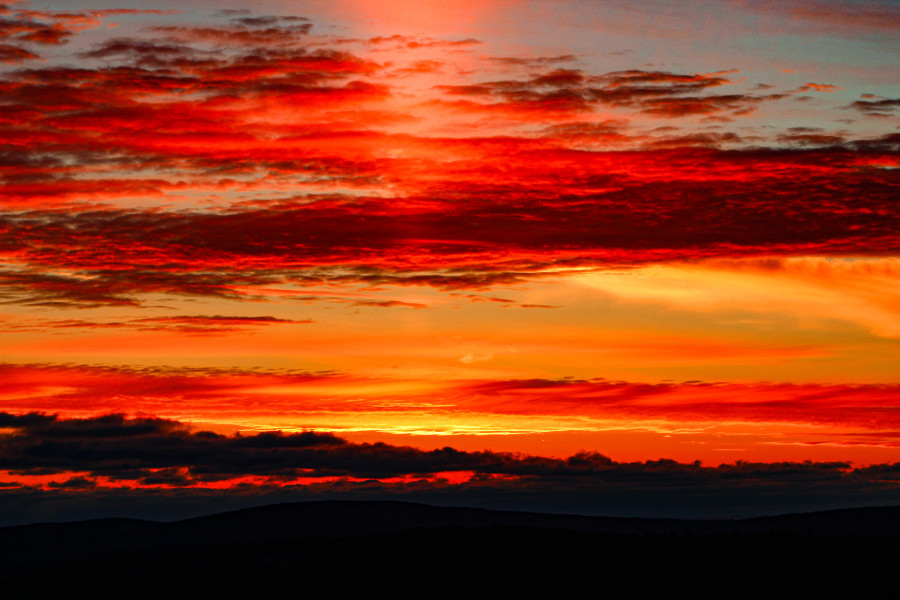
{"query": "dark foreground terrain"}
(414, 550)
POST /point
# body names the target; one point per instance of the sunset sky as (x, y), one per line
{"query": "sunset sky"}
(596, 256)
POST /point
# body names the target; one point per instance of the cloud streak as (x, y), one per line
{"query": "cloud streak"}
(492, 406)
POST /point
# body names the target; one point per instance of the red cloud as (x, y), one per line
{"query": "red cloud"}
(657, 93)
(54, 28)
(15, 54)
(229, 394)
(488, 217)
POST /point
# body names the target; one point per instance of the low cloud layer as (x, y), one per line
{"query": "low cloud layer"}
(130, 460)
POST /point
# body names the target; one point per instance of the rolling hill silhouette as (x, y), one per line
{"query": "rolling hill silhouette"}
(361, 546)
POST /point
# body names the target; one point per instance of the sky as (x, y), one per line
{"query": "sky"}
(588, 256)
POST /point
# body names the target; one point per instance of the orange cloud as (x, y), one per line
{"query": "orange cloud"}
(298, 400)
(865, 292)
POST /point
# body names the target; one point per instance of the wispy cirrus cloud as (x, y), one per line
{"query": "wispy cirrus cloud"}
(415, 43)
(14, 54)
(186, 324)
(655, 93)
(21, 28)
(875, 106)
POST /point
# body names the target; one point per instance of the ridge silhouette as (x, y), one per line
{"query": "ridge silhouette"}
(357, 543)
